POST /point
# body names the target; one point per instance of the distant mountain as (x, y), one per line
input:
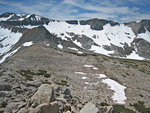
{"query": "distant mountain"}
(95, 36)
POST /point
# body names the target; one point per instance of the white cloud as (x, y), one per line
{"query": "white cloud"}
(113, 9)
(96, 15)
(135, 17)
(117, 10)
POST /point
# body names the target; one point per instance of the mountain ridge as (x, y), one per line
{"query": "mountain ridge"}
(96, 35)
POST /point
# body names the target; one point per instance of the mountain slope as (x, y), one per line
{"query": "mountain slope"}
(95, 35)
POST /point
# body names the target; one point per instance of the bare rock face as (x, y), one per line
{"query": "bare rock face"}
(143, 47)
(5, 87)
(89, 108)
(97, 24)
(44, 94)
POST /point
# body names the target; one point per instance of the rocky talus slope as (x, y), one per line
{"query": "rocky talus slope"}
(82, 76)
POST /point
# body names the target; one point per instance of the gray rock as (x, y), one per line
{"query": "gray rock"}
(67, 112)
(80, 106)
(23, 110)
(67, 92)
(73, 109)
(44, 94)
(5, 87)
(89, 108)
(67, 107)
(142, 46)
(2, 94)
(14, 107)
(62, 100)
(46, 108)
(108, 109)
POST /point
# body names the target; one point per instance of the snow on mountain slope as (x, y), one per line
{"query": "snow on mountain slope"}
(111, 34)
(7, 40)
(119, 96)
(8, 55)
(94, 35)
(116, 35)
(6, 18)
(145, 36)
(19, 17)
(133, 55)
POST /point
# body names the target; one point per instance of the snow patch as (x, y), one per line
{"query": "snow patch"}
(7, 40)
(95, 68)
(138, 21)
(80, 52)
(47, 44)
(75, 49)
(119, 90)
(84, 78)
(86, 83)
(81, 73)
(101, 76)
(133, 55)
(21, 19)
(101, 50)
(60, 46)
(6, 18)
(94, 83)
(28, 43)
(38, 18)
(91, 66)
(145, 36)
(77, 43)
(88, 66)
(8, 55)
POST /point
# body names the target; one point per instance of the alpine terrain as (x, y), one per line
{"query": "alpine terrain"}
(73, 66)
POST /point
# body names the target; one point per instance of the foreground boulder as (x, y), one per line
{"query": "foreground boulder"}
(46, 108)
(44, 94)
(89, 108)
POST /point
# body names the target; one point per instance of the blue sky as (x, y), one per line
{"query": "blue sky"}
(116, 10)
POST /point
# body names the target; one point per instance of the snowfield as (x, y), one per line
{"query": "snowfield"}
(8, 55)
(133, 55)
(119, 91)
(119, 96)
(6, 18)
(116, 35)
(7, 40)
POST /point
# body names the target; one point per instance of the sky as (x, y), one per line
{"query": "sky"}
(115, 10)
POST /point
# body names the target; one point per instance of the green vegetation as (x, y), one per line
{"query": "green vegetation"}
(141, 108)
(11, 75)
(141, 95)
(43, 72)
(122, 109)
(104, 104)
(61, 82)
(28, 74)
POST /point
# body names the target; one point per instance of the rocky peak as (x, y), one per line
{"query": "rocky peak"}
(23, 19)
(139, 27)
(6, 14)
(97, 24)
